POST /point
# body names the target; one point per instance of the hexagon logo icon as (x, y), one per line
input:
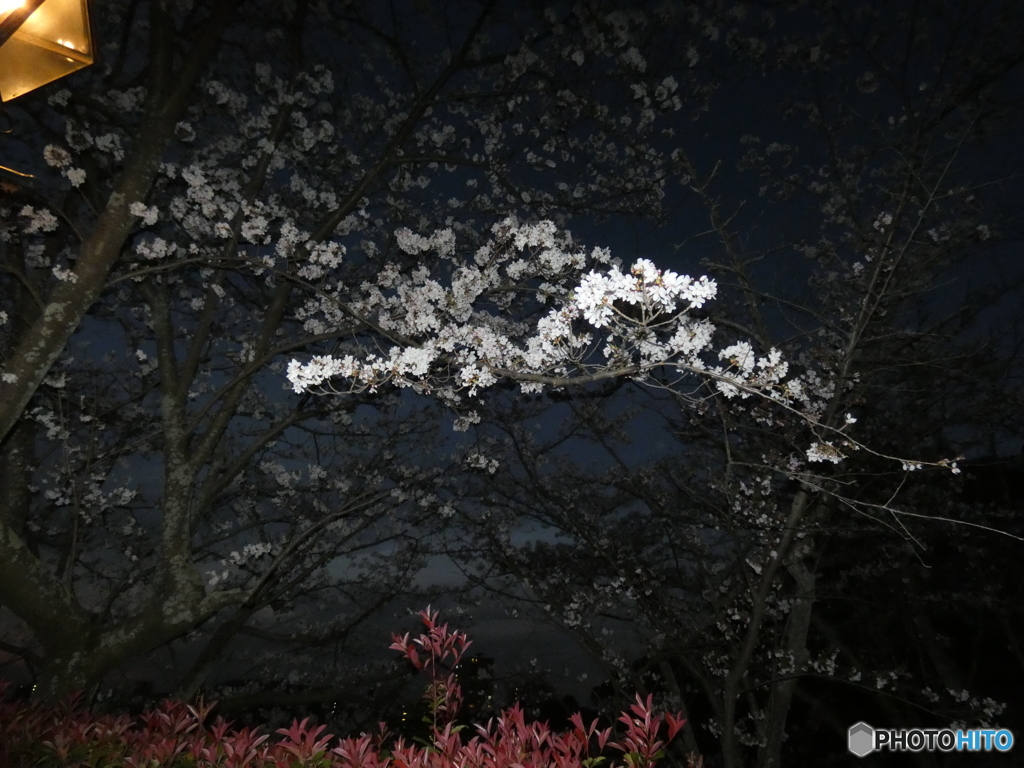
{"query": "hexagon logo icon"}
(860, 739)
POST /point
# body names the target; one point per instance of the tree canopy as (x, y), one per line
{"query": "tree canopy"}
(675, 326)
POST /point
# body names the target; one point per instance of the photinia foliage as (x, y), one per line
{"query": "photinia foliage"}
(176, 735)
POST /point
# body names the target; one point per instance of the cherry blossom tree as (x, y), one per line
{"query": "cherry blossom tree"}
(797, 412)
(252, 205)
(224, 193)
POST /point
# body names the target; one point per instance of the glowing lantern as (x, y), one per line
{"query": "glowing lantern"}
(41, 41)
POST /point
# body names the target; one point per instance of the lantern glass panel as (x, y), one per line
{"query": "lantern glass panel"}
(53, 42)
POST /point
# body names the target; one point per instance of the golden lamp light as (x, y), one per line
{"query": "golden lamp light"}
(41, 41)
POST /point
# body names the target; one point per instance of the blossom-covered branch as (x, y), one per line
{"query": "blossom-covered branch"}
(475, 323)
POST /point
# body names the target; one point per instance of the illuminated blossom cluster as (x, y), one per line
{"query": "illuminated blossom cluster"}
(824, 451)
(454, 326)
(645, 285)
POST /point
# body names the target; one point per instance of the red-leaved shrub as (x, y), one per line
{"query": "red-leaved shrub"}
(174, 735)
